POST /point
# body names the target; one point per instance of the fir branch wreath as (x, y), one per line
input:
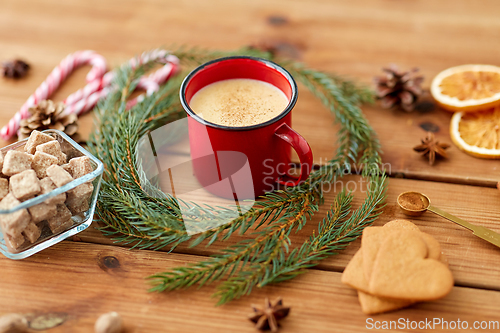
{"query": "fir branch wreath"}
(131, 216)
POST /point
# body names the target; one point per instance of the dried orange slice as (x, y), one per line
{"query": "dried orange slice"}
(467, 88)
(477, 133)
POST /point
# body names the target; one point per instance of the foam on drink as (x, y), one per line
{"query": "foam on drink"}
(239, 102)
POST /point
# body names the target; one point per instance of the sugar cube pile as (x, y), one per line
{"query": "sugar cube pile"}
(39, 169)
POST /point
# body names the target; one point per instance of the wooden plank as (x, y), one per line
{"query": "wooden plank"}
(82, 281)
(472, 260)
(354, 38)
(398, 133)
(408, 130)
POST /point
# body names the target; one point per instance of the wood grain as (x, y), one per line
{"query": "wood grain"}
(471, 259)
(81, 281)
(351, 38)
(398, 133)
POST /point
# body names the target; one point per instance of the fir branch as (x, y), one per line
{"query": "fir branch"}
(274, 266)
(268, 209)
(342, 103)
(132, 216)
(234, 259)
(128, 127)
(335, 232)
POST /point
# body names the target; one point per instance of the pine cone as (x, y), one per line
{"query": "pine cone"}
(399, 88)
(49, 115)
(15, 69)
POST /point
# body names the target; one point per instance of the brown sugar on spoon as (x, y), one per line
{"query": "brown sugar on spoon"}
(412, 201)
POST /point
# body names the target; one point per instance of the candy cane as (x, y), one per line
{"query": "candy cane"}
(98, 84)
(149, 83)
(53, 81)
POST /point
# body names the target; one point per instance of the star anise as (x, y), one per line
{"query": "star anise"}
(431, 148)
(267, 318)
(15, 69)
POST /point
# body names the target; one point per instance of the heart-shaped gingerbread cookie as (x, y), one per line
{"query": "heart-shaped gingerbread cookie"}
(401, 224)
(402, 271)
(373, 237)
(373, 304)
(353, 273)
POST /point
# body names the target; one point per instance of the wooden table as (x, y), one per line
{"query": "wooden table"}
(75, 279)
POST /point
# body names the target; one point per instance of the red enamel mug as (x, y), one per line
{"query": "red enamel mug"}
(244, 162)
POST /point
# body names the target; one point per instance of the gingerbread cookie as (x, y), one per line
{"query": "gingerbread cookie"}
(373, 304)
(371, 300)
(402, 271)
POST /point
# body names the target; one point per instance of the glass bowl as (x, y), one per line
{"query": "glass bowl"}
(79, 221)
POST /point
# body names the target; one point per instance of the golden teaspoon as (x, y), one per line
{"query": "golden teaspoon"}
(416, 203)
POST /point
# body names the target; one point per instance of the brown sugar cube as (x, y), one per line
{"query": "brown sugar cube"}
(61, 221)
(1, 159)
(41, 161)
(24, 185)
(78, 207)
(32, 232)
(42, 212)
(78, 198)
(53, 148)
(16, 162)
(4, 187)
(83, 191)
(36, 138)
(61, 226)
(58, 175)
(68, 169)
(13, 223)
(14, 242)
(80, 166)
(47, 186)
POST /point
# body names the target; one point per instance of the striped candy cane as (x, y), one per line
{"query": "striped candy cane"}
(53, 81)
(89, 96)
(98, 83)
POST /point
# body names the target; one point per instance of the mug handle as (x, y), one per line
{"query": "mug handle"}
(300, 145)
